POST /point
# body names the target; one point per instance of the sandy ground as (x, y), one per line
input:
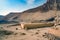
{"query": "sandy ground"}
(32, 34)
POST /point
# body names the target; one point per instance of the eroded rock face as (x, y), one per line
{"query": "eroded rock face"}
(50, 5)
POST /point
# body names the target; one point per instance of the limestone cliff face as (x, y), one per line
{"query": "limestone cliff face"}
(43, 12)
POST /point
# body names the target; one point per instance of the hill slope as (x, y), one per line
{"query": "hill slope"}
(44, 12)
(12, 16)
(1, 17)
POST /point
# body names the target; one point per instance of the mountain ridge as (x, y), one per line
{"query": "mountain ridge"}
(1, 17)
(43, 12)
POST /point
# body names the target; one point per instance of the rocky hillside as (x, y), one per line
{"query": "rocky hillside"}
(1, 17)
(12, 16)
(44, 12)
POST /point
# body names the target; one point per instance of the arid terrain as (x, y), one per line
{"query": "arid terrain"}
(9, 30)
(16, 33)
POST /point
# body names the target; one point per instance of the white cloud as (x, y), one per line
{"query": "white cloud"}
(30, 1)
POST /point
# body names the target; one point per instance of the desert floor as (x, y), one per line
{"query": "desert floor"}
(47, 33)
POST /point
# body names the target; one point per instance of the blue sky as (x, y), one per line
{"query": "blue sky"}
(7, 6)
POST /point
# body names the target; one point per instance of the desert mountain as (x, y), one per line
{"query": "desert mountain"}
(12, 16)
(44, 12)
(1, 17)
